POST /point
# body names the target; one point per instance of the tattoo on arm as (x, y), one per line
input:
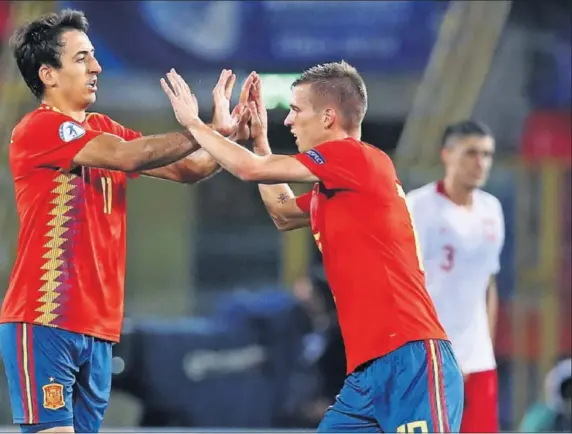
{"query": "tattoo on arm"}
(283, 198)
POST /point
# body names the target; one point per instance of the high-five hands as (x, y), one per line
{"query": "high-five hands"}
(250, 107)
(186, 109)
(241, 112)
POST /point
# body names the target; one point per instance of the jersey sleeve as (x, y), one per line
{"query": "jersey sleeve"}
(52, 139)
(303, 202)
(338, 164)
(125, 133)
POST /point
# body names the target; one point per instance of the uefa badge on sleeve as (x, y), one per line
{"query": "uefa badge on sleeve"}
(316, 156)
(71, 131)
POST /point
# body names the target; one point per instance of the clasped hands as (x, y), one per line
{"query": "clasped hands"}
(248, 119)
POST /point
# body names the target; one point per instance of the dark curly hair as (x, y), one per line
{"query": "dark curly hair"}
(39, 43)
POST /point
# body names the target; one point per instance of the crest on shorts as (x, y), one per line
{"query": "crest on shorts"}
(53, 396)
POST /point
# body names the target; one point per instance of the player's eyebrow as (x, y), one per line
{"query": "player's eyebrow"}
(294, 107)
(84, 52)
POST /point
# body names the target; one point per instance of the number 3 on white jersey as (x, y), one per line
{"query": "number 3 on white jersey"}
(401, 194)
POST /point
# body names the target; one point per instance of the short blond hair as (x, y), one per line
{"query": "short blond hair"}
(341, 83)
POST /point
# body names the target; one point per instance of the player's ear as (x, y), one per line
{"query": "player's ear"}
(329, 118)
(444, 155)
(47, 75)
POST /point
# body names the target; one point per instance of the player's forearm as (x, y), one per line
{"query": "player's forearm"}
(230, 155)
(195, 167)
(274, 197)
(492, 307)
(150, 152)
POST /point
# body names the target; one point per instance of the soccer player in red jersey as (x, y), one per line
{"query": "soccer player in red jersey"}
(402, 374)
(64, 305)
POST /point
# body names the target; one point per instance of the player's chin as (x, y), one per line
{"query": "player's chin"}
(91, 98)
(478, 182)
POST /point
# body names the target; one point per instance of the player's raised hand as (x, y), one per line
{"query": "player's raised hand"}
(256, 97)
(241, 113)
(222, 120)
(184, 103)
(259, 118)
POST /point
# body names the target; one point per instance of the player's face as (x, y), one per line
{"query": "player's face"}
(305, 122)
(76, 80)
(469, 159)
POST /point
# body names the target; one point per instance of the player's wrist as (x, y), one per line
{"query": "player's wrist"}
(196, 123)
(261, 146)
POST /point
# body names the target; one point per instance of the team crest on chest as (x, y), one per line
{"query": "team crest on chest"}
(53, 396)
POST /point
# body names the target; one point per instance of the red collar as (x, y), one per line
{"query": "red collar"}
(440, 186)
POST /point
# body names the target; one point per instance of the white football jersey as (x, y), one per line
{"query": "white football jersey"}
(461, 249)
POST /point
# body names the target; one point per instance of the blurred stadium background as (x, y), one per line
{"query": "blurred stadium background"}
(229, 323)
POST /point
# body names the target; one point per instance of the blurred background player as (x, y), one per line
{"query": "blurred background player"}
(552, 413)
(461, 232)
(402, 374)
(64, 304)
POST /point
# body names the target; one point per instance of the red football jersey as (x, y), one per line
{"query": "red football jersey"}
(363, 228)
(70, 265)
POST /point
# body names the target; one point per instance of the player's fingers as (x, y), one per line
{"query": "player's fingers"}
(246, 89)
(258, 89)
(236, 110)
(167, 89)
(183, 85)
(255, 116)
(245, 116)
(221, 81)
(180, 85)
(229, 85)
(260, 107)
(175, 84)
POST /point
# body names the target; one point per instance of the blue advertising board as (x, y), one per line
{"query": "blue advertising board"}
(269, 36)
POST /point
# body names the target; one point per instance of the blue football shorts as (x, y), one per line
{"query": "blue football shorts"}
(417, 388)
(55, 377)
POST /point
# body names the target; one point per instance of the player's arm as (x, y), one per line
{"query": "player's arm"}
(287, 211)
(492, 290)
(197, 166)
(284, 208)
(108, 151)
(492, 305)
(194, 167)
(57, 141)
(268, 169)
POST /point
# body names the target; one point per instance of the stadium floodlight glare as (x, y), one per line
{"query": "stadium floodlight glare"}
(277, 90)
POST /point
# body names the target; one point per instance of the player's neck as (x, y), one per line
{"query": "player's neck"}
(67, 109)
(457, 193)
(343, 134)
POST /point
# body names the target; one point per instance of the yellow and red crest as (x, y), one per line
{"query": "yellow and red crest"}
(53, 396)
